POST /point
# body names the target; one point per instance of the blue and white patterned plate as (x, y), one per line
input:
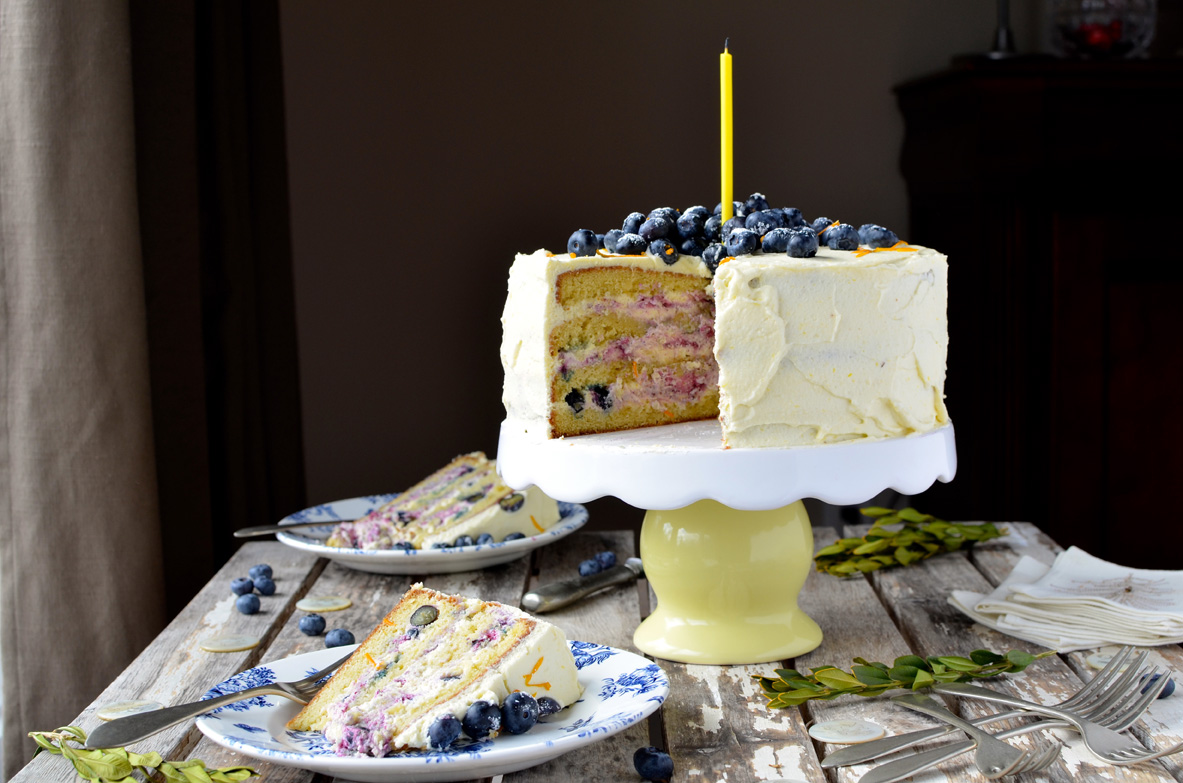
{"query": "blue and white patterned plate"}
(415, 561)
(619, 689)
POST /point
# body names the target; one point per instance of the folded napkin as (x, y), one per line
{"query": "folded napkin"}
(1080, 602)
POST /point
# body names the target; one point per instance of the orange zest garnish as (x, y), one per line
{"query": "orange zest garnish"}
(373, 663)
(636, 372)
(572, 255)
(534, 522)
(827, 228)
(725, 260)
(543, 685)
(898, 247)
(668, 414)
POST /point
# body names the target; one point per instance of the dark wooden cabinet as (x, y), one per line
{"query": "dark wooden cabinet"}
(1054, 188)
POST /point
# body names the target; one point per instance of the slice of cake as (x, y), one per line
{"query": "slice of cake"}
(466, 497)
(413, 680)
(602, 344)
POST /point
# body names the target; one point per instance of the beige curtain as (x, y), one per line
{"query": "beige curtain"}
(80, 561)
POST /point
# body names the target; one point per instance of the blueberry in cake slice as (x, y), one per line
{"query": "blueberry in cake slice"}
(439, 668)
(453, 506)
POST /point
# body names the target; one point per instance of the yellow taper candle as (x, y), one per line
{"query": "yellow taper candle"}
(726, 130)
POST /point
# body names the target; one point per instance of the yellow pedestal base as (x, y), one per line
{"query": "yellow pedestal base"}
(727, 583)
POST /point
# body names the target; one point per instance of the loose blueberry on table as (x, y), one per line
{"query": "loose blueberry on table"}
(242, 586)
(589, 567)
(338, 637)
(265, 585)
(262, 569)
(248, 603)
(653, 764)
(312, 624)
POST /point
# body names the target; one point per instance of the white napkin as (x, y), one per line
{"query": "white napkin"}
(1080, 602)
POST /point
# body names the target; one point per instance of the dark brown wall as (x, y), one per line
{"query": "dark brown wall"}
(430, 142)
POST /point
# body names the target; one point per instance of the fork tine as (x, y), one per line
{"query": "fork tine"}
(1123, 698)
(311, 679)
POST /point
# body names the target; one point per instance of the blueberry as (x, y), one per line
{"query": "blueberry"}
(606, 559)
(481, 720)
(338, 637)
(443, 731)
(690, 225)
(699, 210)
(484, 538)
(820, 224)
(610, 239)
(583, 243)
(712, 255)
(630, 245)
(574, 400)
(265, 585)
(589, 567)
(547, 706)
(692, 246)
(512, 502)
(873, 235)
(762, 222)
(412, 632)
(600, 396)
(755, 203)
(247, 604)
(711, 228)
(441, 545)
(312, 625)
(406, 545)
(653, 764)
(463, 541)
(802, 242)
(599, 241)
(776, 240)
(792, 217)
(841, 237)
(632, 222)
(1167, 689)
(514, 536)
(655, 228)
(669, 214)
(737, 208)
(424, 615)
(242, 586)
(519, 712)
(731, 225)
(742, 242)
(661, 248)
(262, 569)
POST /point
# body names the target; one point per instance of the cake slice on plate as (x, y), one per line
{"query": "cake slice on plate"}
(466, 497)
(414, 681)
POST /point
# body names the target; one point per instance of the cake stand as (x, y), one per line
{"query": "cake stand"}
(726, 543)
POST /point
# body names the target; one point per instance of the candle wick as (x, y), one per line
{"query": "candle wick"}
(725, 42)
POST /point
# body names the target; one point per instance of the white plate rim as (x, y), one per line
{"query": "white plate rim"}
(456, 765)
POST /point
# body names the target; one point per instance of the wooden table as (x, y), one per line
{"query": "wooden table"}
(714, 722)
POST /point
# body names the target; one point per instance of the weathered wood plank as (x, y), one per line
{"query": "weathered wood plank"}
(173, 669)
(918, 597)
(854, 624)
(608, 617)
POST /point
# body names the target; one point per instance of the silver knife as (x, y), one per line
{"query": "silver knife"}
(556, 595)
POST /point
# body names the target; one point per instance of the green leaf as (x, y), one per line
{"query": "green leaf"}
(870, 675)
(985, 657)
(1020, 659)
(906, 674)
(923, 680)
(836, 678)
(911, 660)
(958, 664)
(876, 511)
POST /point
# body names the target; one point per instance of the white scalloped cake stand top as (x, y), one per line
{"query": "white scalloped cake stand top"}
(673, 466)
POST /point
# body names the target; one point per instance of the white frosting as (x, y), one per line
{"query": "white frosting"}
(837, 347)
(841, 346)
(537, 514)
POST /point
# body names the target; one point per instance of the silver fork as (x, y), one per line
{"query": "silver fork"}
(993, 757)
(899, 769)
(1101, 741)
(1109, 682)
(133, 728)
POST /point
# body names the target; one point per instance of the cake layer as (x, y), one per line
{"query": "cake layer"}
(465, 497)
(435, 655)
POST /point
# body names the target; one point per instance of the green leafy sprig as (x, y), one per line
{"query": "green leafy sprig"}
(113, 764)
(919, 536)
(790, 687)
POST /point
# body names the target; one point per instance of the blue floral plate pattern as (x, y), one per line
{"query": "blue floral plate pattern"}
(619, 689)
(415, 561)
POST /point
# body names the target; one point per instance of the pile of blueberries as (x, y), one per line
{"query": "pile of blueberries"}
(667, 234)
(244, 587)
(601, 562)
(465, 540)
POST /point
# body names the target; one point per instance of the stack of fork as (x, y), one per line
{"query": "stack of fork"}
(1111, 702)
